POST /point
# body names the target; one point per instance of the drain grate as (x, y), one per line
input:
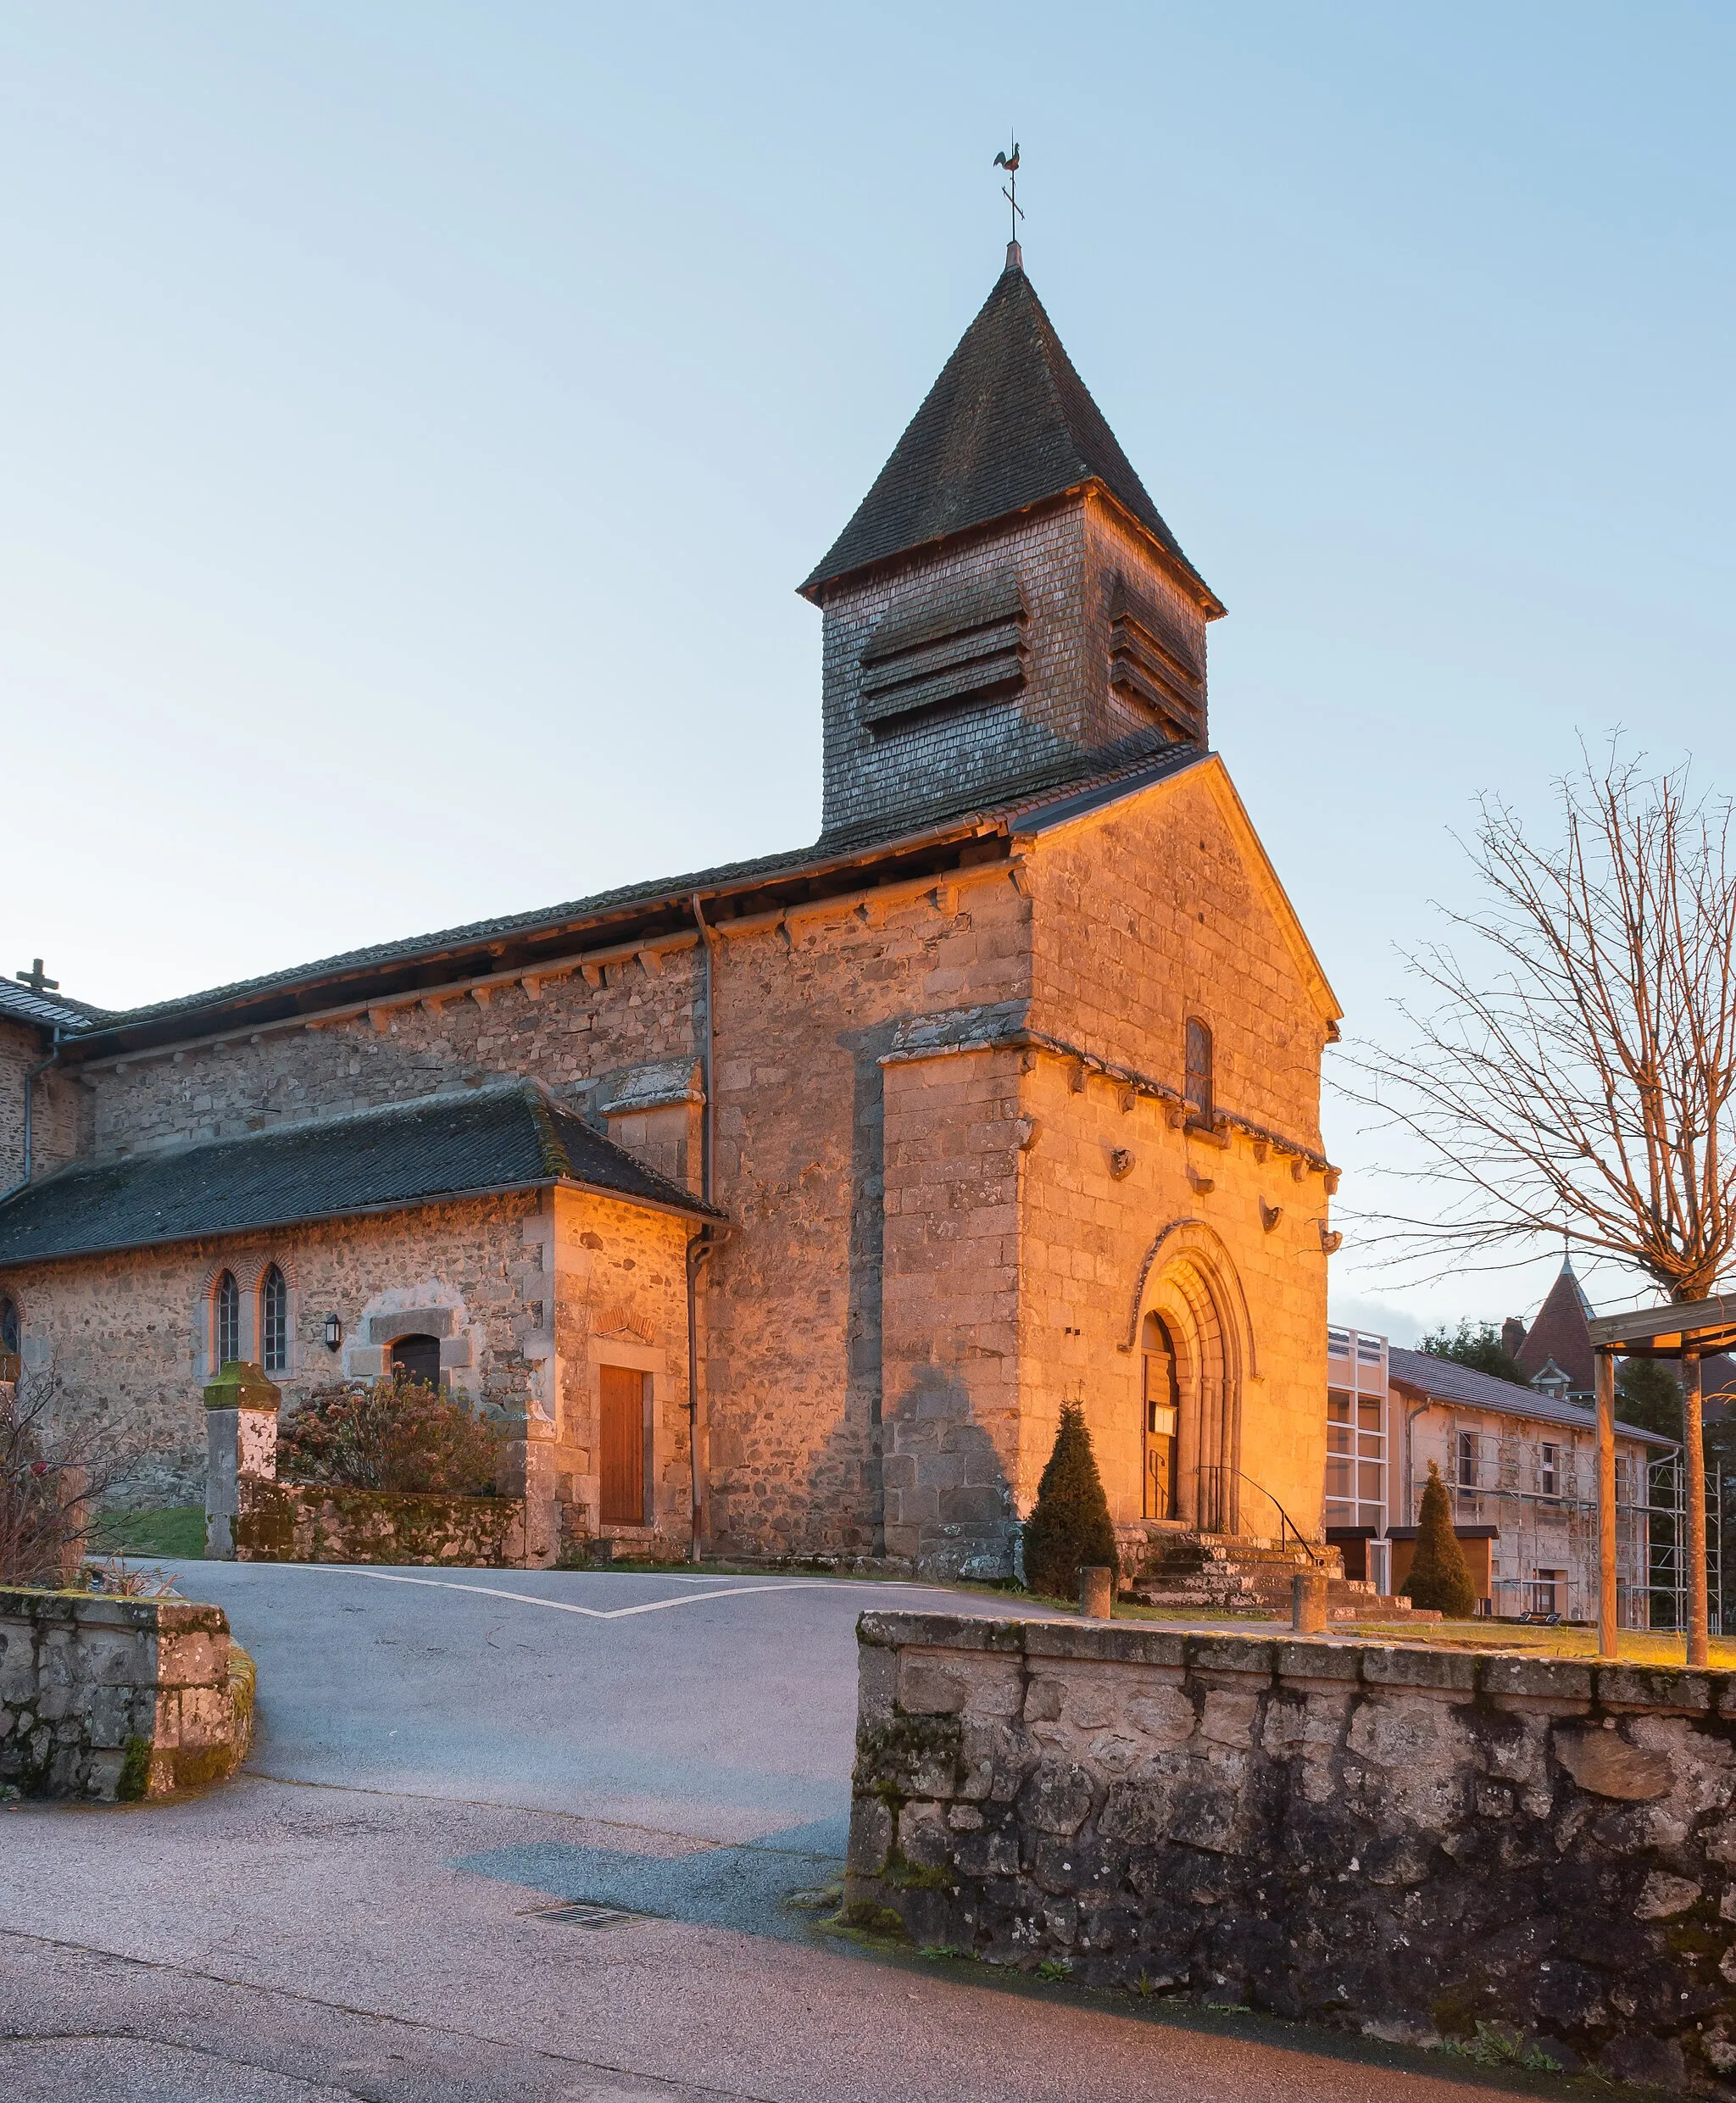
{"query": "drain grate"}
(581, 1913)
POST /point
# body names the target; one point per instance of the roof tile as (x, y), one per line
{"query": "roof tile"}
(440, 1147)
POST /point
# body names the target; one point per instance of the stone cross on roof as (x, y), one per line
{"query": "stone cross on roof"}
(34, 980)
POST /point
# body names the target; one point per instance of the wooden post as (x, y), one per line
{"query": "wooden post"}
(1607, 1622)
(1693, 1460)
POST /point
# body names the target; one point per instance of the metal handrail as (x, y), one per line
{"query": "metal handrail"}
(1287, 1525)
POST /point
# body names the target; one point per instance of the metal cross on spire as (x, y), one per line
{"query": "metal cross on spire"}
(1009, 189)
(34, 979)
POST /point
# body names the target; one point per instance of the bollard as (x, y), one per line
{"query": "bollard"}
(1308, 1602)
(1097, 1594)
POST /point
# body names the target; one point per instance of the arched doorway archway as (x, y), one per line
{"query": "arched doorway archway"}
(1190, 1324)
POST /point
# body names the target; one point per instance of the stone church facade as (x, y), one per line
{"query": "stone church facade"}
(839, 1171)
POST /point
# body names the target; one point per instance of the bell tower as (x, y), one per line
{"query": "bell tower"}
(1006, 612)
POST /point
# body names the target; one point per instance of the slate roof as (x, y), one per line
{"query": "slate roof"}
(1008, 423)
(1077, 792)
(45, 1012)
(1562, 1332)
(514, 1138)
(1444, 1380)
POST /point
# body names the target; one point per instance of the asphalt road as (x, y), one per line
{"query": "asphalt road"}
(550, 1835)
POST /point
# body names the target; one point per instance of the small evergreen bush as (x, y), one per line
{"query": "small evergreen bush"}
(1070, 1526)
(1438, 1577)
(395, 1434)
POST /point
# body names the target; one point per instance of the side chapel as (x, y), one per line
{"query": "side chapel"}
(786, 1202)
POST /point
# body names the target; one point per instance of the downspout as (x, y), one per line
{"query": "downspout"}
(31, 1080)
(1410, 1468)
(699, 1248)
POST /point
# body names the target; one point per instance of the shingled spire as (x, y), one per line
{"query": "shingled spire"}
(1008, 424)
(1007, 611)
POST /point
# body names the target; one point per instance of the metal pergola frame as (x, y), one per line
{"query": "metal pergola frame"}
(1687, 1333)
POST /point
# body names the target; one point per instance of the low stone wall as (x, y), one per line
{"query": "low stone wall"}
(1406, 1842)
(323, 1522)
(112, 1699)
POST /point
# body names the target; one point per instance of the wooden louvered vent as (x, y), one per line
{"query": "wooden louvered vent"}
(965, 644)
(1150, 664)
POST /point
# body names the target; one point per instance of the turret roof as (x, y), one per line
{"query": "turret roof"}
(1561, 1333)
(1008, 424)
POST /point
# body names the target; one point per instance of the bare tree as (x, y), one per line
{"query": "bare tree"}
(58, 1468)
(1578, 1079)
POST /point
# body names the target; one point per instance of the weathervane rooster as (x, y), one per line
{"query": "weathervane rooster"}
(1011, 163)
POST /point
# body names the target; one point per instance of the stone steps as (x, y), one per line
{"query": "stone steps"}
(1186, 1573)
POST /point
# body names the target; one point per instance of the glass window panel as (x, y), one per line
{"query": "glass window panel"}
(273, 1320)
(1370, 1478)
(1338, 1479)
(1371, 1445)
(228, 1319)
(1369, 1411)
(1338, 1405)
(1337, 1438)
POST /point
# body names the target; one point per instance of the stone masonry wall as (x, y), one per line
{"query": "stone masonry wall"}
(323, 1522)
(1399, 1841)
(129, 1334)
(617, 1294)
(20, 1050)
(107, 1697)
(1144, 916)
(792, 1312)
(953, 1310)
(572, 1034)
(55, 1128)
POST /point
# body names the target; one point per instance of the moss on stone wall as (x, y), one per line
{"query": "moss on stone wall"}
(326, 1522)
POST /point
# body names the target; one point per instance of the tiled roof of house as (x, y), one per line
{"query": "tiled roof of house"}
(511, 1137)
(1008, 424)
(1561, 1333)
(1444, 1380)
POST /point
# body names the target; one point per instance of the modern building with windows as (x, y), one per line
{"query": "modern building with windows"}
(1521, 1464)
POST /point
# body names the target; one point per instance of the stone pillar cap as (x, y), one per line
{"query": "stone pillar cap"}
(239, 1385)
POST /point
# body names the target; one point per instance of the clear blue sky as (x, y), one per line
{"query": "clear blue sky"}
(414, 420)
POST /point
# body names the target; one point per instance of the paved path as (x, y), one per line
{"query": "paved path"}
(459, 1777)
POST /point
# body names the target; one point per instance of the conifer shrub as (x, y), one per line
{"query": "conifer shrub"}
(1438, 1577)
(1070, 1526)
(397, 1434)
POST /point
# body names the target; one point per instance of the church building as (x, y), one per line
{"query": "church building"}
(788, 1201)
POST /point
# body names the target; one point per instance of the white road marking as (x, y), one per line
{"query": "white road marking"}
(565, 1607)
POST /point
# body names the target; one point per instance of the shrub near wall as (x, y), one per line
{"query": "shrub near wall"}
(1404, 1842)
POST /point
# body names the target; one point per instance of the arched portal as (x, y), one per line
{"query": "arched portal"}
(1191, 1329)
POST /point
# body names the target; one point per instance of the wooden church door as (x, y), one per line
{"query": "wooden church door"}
(1162, 1414)
(623, 1444)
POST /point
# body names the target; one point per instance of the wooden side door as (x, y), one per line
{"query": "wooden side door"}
(623, 1446)
(1162, 1413)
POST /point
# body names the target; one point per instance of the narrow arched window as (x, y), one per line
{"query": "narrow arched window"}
(273, 1320)
(226, 1307)
(1198, 1084)
(11, 1328)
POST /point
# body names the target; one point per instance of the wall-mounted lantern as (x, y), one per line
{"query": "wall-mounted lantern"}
(334, 1332)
